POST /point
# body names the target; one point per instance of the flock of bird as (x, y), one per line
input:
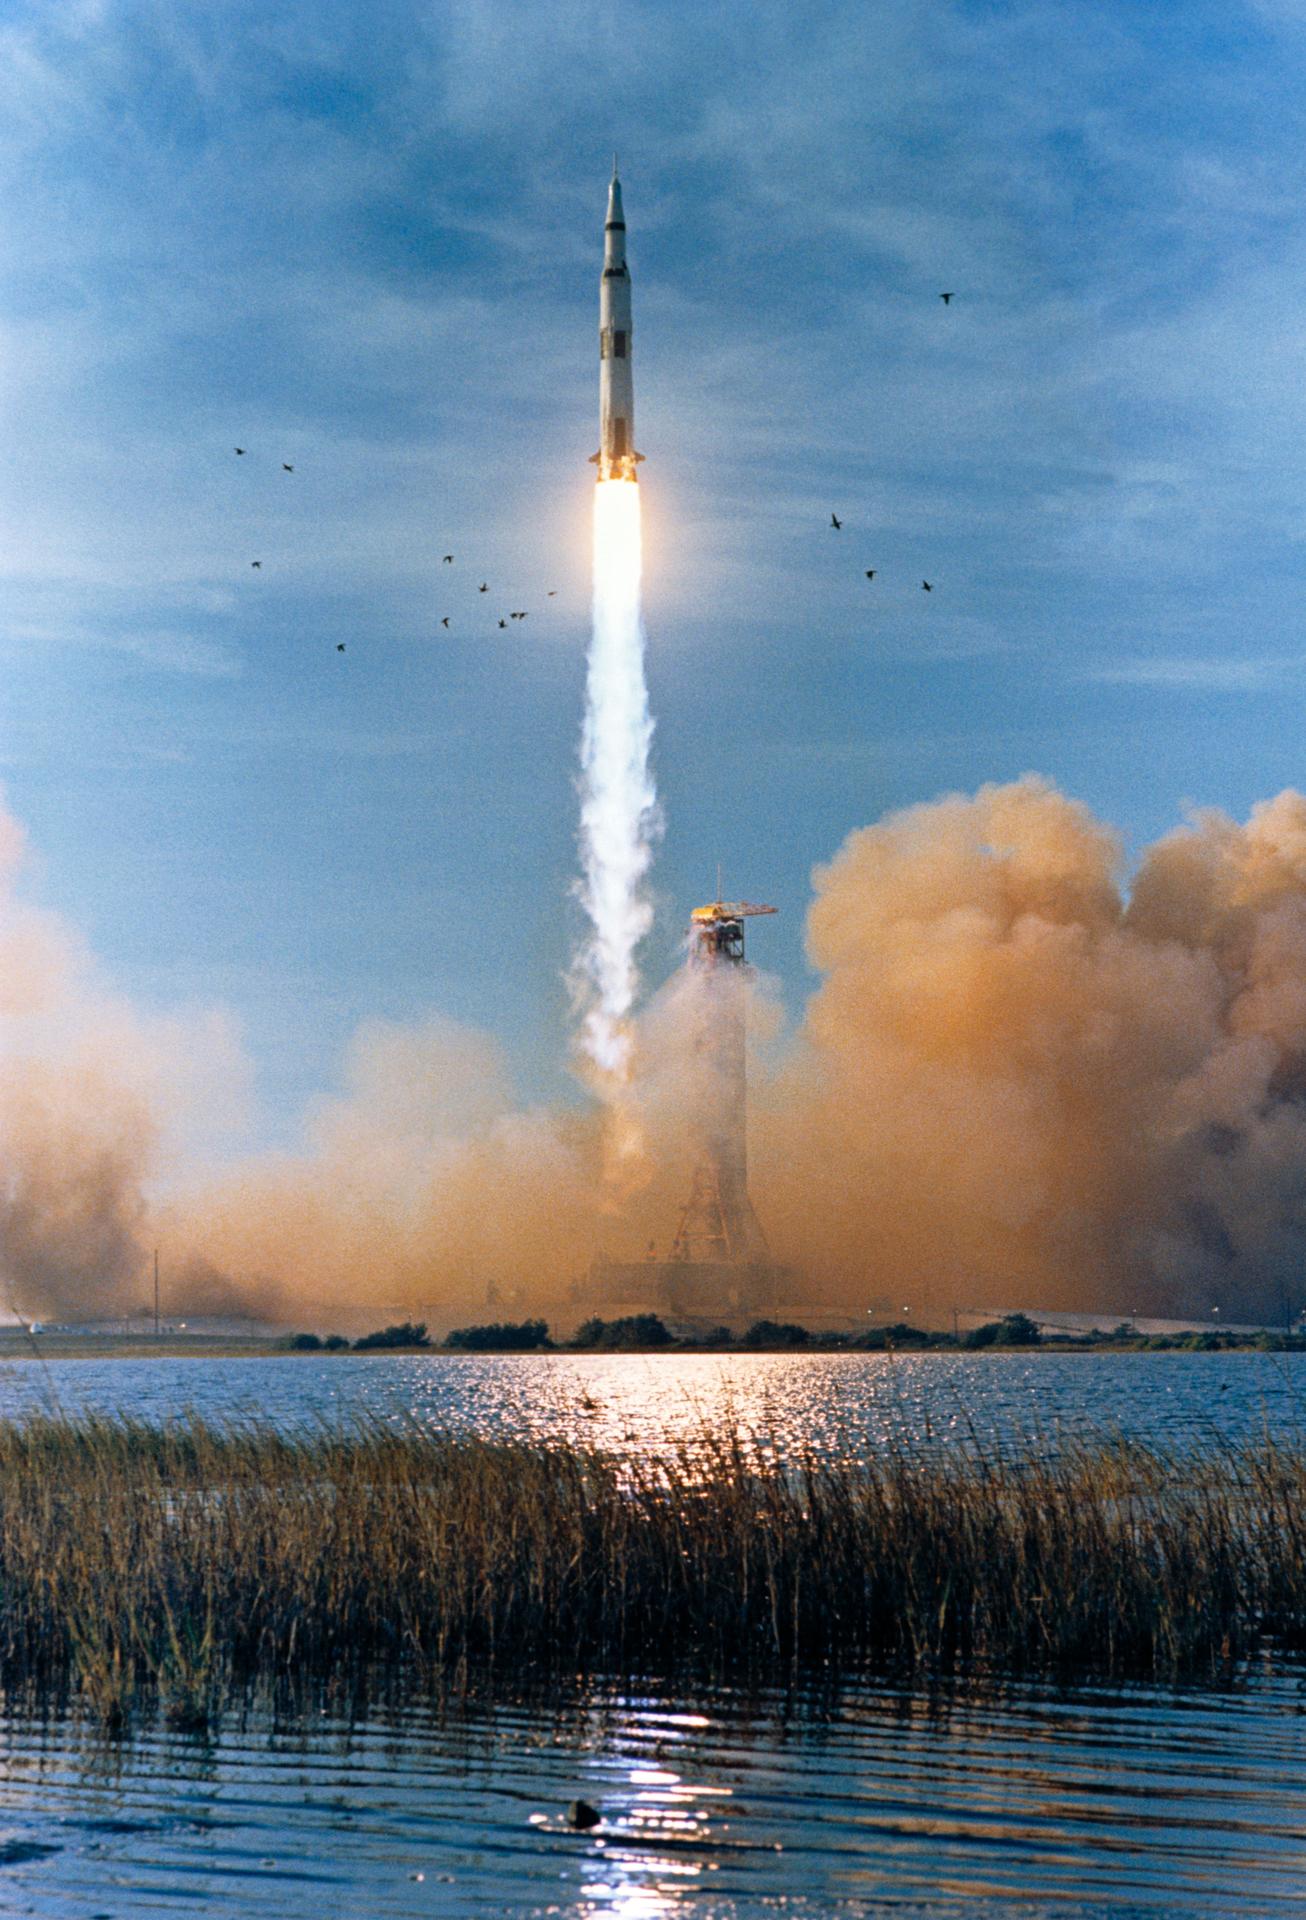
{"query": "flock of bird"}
(836, 524)
(447, 559)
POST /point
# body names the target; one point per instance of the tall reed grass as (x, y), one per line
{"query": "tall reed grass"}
(177, 1562)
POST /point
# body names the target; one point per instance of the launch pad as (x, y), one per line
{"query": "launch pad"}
(719, 1266)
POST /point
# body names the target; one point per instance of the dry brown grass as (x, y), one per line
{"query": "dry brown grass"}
(174, 1563)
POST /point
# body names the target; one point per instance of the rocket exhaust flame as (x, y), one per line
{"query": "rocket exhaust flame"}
(619, 817)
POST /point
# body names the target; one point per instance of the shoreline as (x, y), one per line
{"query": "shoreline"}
(48, 1347)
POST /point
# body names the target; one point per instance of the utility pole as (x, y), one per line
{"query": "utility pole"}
(156, 1293)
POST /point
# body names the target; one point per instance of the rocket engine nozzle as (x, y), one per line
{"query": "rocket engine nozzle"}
(615, 466)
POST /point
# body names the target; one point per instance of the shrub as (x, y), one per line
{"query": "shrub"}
(711, 1337)
(775, 1333)
(1013, 1330)
(524, 1336)
(335, 1343)
(883, 1339)
(408, 1333)
(634, 1330)
(300, 1343)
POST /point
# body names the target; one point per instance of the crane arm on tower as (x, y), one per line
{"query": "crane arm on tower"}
(730, 910)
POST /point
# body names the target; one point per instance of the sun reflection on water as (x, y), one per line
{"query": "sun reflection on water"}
(654, 1407)
(665, 1831)
(838, 1406)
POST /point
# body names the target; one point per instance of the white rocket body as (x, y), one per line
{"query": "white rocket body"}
(616, 457)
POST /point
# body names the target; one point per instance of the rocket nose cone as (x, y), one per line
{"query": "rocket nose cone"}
(614, 202)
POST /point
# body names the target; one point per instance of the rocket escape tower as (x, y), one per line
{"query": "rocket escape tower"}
(717, 1222)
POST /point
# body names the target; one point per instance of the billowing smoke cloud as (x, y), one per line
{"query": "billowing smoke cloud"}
(1019, 1084)
(422, 1191)
(88, 1088)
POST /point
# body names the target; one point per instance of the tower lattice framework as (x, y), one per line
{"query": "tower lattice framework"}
(718, 1222)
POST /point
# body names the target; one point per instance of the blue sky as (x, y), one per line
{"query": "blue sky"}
(366, 242)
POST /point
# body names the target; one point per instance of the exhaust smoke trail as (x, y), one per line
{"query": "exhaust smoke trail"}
(619, 815)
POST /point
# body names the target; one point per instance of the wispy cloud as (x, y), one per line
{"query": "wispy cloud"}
(1217, 674)
(362, 242)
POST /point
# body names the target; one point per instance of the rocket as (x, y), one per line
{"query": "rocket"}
(616, 456)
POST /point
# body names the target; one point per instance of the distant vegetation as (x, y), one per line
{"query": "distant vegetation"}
(648, 1333)
(1013, 1330)
(524, 1336)
(773, 1333)
(407, 1335)
(180, 1564)
(636, 1330)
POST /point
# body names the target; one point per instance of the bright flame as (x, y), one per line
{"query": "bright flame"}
(619, 815)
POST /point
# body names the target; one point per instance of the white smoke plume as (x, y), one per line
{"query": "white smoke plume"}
(619, 813)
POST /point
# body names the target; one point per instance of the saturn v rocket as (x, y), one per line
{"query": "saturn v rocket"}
(616, 457)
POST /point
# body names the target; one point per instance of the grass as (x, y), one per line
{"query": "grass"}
(172, 1565)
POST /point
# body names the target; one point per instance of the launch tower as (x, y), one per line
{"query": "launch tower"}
(719, 1266)
(717, 1222)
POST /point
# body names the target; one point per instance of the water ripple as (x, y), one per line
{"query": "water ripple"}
(716, 1805)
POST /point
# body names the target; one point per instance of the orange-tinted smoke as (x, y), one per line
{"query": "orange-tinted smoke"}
(1017, 1086)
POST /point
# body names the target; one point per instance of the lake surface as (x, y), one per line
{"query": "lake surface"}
(656, 1403)
(716, 1807)
(1025, 1801)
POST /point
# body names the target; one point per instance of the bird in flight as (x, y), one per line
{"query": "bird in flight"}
(926, 587)
(256, 563)
(836, 522)
(553, 593)
(870, 573)
(503, 623)
(340, 646)
(285, 468)
(240, 449)
(517, 616)
(444, 623)
(448, 560)
(482, 588)
(946, 299)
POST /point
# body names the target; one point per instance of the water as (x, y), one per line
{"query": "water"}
(655, 1403)
(718, 1805)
